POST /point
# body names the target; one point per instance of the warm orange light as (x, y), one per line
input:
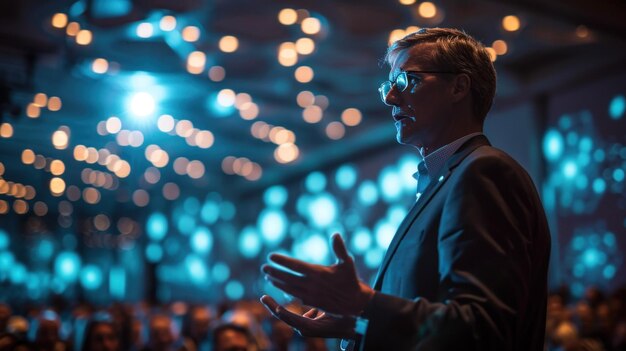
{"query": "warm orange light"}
(191, 34)
(57, 186)
(54, 103)
(84, 37)
(100, 65)
(59, 20)
(229, 43)
(305, 98)
(511, 23)
(287, 16)
(335, 130)
(427, 9)
(305, 46)
(32, 110)
(167, 23)
(40, 99)
(500, 47)
(311, 25)
(28, 157)
(286, 153)
(57, 167)
(304, 74)
(312, 114)
(6, 130)
(72, 29)
(60, 139)
(351, 117)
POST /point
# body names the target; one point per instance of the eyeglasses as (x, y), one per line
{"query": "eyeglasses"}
(402, 82)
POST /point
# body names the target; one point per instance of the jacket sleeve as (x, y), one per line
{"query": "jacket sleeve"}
(484, 268)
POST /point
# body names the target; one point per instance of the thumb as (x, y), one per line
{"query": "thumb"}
(339, 247)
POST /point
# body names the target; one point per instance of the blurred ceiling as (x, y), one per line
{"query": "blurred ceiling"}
(559, 43)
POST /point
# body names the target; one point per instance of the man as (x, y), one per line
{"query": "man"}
(467, 268)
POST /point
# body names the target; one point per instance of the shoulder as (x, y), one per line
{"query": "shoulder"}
(492, 162)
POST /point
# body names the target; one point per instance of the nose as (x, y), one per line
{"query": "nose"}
(393, 97)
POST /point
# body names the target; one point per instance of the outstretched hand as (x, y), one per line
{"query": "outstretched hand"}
(335, 289)
(313, 323)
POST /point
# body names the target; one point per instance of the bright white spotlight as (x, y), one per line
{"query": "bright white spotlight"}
(142, 104)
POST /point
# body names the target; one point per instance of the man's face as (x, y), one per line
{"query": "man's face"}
(421, 112)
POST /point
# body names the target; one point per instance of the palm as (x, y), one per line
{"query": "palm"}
(313, 323)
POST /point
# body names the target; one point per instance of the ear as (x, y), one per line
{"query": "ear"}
(461, 87)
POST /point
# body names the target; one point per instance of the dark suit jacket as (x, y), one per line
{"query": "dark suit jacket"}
(467, 268)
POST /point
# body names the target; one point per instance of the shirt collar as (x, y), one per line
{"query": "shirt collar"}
(437, 159)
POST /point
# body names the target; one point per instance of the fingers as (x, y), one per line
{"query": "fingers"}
(281, 274)
(291, 263)
(270, 304)
(339, 247)
(291, 289)
(312, 313)
(294, 320)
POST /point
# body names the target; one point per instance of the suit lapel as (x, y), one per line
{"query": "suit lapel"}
(419, 205)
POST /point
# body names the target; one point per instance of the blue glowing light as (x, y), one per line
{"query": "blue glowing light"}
(585, 144)
(617, 107)
(141, 104)
(186, 224)
(202, 240)
(609, 239)
(117, 282)
(44, 249)
(210, 212)
(565, 122)
(346, 177)
(110, 8)
(234, 290)
(368, 193)
(196, 269)
(227, 210)
(272, 224)
(599, 155)
(275, 196)
(154, 252)
(4, 240)
(323, 210)
(592, 257)
(361, 240)
(67, 266)
(77, 9)
(18, 273)
(6, 260)
(156, 226)
(216, 105)
(316, 248)
(390, 184)
(552, 145)
(609, 271)
(598, 185)
(91, 277)
(220, 272)
(249, 242)
(618, 174)
(374, 257)
(315, 182)
(570, 169)
(407, 165)
(396, 214)
(384, 232)
(191, 206)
